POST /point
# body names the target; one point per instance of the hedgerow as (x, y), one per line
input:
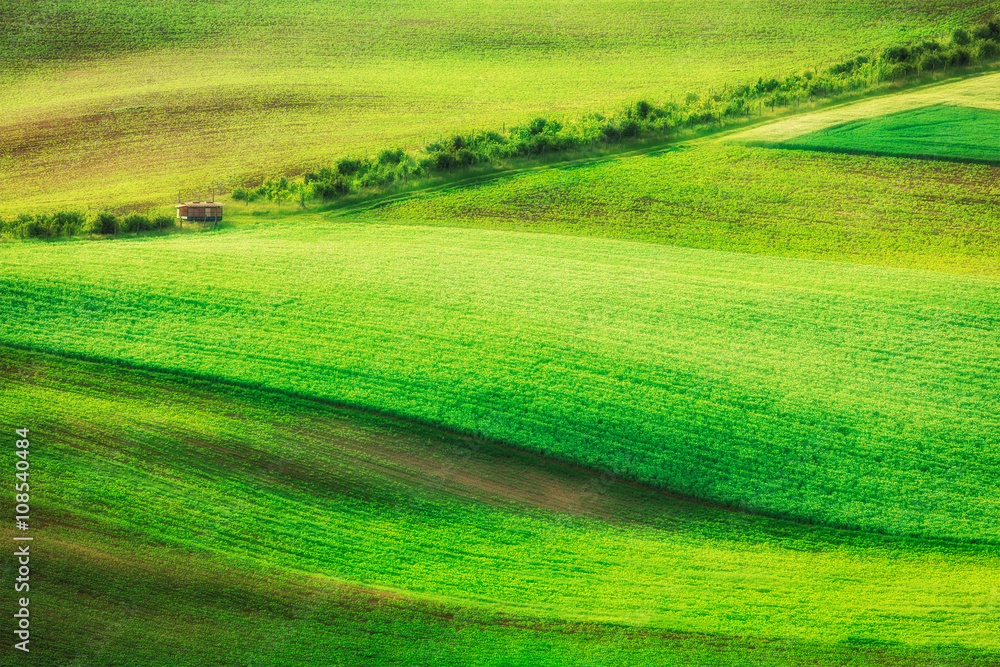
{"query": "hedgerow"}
(645, 119)
(65, 224)
(43, 225)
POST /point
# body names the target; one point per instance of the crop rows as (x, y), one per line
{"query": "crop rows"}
(802, 389)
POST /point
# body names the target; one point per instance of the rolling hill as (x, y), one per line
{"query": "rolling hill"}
(728, 400)
(110, 104)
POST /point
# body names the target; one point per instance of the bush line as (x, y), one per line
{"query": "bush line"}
(71, 223)
(637, 120)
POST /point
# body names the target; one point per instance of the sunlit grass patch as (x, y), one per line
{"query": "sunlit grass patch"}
(805, 389)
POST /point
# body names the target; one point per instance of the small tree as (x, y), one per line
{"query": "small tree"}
(280, 195)
(66, 222)
(302, 191)
(960, 57)
(27, 225)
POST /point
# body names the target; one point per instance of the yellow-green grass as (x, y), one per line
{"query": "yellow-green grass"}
(841, 394)
(184, 522)
(127, 104)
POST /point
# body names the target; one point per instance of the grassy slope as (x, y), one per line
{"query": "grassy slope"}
(721, 194)
(280, 84)
(949, 132)
(872, 210)
(200, 524)
(847, 394)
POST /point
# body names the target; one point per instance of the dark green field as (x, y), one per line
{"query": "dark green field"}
(798, 388)
(959, 133)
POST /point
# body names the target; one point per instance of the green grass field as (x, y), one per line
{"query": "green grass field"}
(863, 209)
(948, 132)
(798, 388)
(733, 400)
(314, 535)
(108, 104)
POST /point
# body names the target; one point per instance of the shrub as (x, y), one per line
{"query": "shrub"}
(537, 126)
(932, 61)
(465, 158)
(348, 166)
(334, 187)
(629, 128)
(960, 57)
(104, 223)
(490, 137)
(66, 223)
(982, 32)
(902, 69)
(896, 54)
(373, 179)
(135, 222)
(842, 68)
(28, 226)
(960, 37)
(642, 109)
(240, 194)
(162, 222)
(988, 51)
(259, 192)
(769, 85)
(443, 161)
(391, 156)
(994, 30)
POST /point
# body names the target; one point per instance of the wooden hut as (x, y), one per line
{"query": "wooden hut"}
(200, 211)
